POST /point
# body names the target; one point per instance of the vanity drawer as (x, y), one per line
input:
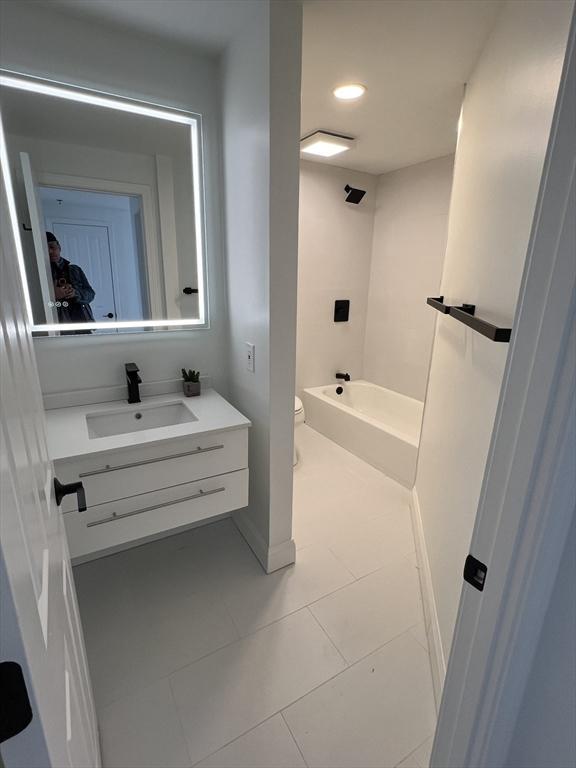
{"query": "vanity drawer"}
(115, 523)
(149, 468)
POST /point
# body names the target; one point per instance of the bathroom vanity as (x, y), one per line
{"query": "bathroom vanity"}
(147, 469)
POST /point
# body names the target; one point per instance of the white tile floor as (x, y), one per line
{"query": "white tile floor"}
(198, 658)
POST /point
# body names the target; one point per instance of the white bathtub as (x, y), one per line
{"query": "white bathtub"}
(378, 425)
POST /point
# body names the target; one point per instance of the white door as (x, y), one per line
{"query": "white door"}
(40, 628)
(88, 246)
(527, 503)
(39, 238)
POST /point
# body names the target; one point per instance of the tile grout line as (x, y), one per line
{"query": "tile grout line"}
(346, 669)
(409, 755)
(294, 739)
(236, 738)
(282, 710)
(349, 666)
(403, 632)
(232, 619)
(240, 637)
(134, 691)
(414, 626)
(332, 643)
(357, 579)
(315, 688)
(342, 563)
(275, 621)
(179, 719)
(305, 605)
(416, 750)
(171, 676)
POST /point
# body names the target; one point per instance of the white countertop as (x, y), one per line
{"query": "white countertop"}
(68, 431)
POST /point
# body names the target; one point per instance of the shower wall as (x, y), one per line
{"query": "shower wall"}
(410, 226)
(386, 256)
(334, 250)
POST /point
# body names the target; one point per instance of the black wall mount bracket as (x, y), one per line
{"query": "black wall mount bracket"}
(475, 572)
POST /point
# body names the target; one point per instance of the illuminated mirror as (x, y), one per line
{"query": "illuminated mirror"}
(108, 203)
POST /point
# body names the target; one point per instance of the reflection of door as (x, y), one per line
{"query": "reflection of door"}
(39, 629)
(88, 246)
(47, 312)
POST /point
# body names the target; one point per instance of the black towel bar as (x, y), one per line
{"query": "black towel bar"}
(465, 314)
(492, 332)
(438, 303)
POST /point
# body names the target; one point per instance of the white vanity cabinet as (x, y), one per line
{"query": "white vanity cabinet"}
(153, 486)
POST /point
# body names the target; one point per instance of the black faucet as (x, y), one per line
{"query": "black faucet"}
(344, 376)
(133, 380)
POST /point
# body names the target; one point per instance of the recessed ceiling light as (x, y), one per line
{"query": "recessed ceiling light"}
(349, 92)
(325, 144)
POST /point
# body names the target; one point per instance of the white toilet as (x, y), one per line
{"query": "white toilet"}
(298, 419)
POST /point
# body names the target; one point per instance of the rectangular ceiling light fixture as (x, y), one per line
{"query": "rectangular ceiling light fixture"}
(325, 144)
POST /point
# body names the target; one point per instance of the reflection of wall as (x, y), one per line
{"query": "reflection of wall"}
(505, 129)
(410, 223)
(45, 42)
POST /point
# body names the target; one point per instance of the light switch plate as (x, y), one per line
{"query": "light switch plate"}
(249, 357)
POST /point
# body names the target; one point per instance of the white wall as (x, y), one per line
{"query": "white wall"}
(334, 249)
(544, 735)
(285, 90)
(410, 227)
(261, 75)
(42, 41)
(506, 123)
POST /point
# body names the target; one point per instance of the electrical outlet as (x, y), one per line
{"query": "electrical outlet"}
(249, 357)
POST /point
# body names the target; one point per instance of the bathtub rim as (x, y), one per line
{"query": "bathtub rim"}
(381, 425)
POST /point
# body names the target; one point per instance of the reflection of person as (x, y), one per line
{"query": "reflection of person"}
(71, 287)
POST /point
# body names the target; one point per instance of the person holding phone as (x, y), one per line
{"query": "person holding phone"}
(71, 287)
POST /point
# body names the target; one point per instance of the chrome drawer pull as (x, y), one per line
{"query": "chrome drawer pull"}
(114, 517)
(150, 461)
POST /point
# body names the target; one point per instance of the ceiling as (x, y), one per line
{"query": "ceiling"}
(414, 56)
(204, 24)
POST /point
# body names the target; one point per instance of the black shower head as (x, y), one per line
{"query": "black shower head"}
(354, 195)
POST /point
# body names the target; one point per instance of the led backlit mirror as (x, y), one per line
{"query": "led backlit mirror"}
(108, 205)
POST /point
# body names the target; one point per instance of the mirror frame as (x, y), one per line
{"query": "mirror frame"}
(9, 79)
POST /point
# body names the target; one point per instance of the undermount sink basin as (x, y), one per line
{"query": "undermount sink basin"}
(137, 418)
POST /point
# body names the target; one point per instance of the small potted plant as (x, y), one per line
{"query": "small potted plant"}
(191, 383)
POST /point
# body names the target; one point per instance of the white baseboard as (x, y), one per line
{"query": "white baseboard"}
(437, 660)
(271, 558)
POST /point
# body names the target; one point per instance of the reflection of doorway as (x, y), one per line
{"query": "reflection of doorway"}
(101, 233)
(88, 246)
